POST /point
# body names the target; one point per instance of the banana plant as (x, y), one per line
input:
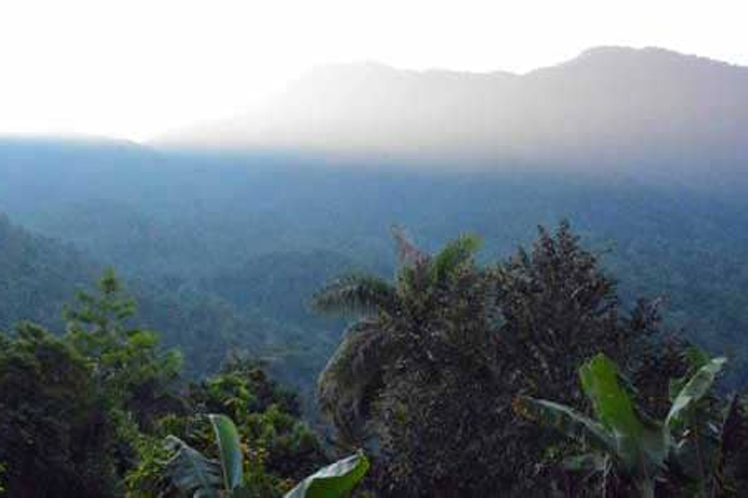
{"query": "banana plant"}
(194, 475)
(622, 435)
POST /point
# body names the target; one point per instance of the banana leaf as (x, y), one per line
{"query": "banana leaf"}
(190, 472)
(334, 481)
(227, 439)
(695, 389)
(567, 421)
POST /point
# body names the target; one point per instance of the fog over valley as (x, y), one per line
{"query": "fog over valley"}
(647, 111)
(442, 283)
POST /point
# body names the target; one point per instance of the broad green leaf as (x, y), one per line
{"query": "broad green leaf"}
(696, 358)
(567, 421)
(333, 481)
(695, 389)
(227, 438)
(191, 472)
(634, 440)
(612, 404)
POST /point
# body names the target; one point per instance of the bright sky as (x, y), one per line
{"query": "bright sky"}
(135, 68)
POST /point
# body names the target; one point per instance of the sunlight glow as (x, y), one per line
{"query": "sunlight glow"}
(136, 68)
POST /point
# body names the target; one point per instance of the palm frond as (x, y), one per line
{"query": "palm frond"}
(356, 294)
(334, 481)
(455, 254)
(407, 251)
(348, 382)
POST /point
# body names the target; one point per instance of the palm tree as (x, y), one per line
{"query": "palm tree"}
(394, 320)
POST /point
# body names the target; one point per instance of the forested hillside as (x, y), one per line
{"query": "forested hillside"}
(206, 321)
(38, 275)
(391, 284)
(248, 236)
(518, 376)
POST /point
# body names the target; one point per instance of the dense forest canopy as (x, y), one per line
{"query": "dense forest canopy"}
(458, 378)
(187, 228)
(563, 311)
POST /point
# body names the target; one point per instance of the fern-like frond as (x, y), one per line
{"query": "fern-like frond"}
(407, 251)
(455, 254)
(348, 383)
(356, 295)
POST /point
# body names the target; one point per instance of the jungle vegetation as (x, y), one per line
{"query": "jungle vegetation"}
(460, 376)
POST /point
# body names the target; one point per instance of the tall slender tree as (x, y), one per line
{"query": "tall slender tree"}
(415, 339)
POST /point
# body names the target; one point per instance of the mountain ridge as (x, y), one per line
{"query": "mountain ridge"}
(642, 110)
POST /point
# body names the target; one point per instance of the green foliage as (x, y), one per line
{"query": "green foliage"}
(463, 342)
(193, 474)
(334, 481)
(357, 294)
(37, 276)
(92, 407)
(640, 447)
(278, 448)
(453, 256)
(74, 406)
(694, 389)
(53, 420)
(266, 414)
(242, 386)
(129, 366)
(224, 262)
(425, 378)
(559, 308)
(227, 439)
(354, 374)
(145, 478)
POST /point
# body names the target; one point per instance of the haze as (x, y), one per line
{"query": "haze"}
(137, 69)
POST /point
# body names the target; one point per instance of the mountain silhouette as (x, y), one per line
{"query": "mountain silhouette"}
(647, 110)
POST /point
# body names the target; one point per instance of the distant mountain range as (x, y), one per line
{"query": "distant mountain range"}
(648, 111)
(235, 223)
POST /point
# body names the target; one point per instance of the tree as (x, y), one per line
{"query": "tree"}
(423, 342)
(72, 407)
(558, 309)
(55, 436)
(129, 367)
(392, 325)
(433, 367)
(267, 415)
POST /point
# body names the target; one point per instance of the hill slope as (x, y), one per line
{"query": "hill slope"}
(646, 112)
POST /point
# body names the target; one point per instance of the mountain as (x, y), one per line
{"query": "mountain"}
(37, 275)
(224, 250)
(224, 240)
(645, 111)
